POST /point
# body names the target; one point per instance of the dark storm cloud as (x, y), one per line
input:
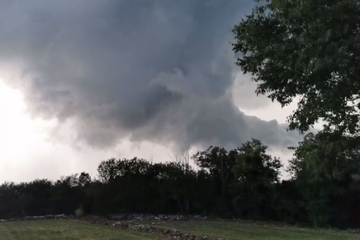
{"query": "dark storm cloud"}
(152, 70)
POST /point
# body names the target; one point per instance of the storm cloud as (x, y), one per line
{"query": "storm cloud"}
(159, 71)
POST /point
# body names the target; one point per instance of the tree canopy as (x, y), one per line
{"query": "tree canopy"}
(306, 49)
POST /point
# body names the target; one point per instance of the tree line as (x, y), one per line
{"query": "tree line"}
(243, 183)
(305, 50)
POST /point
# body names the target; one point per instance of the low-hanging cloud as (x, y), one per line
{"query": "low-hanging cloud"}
(149, 70)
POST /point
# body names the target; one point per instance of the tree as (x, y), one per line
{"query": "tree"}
(84, 179)
(326, 169)
(65, 196)
(218, 163)
(175, 183)
(37, 195)
(307, 49)
(107, 170)
(256, 173)
(10, 207)
(254, 166)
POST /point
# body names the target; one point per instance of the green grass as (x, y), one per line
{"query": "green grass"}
(69, 230)
(253, 231)
(64, 230)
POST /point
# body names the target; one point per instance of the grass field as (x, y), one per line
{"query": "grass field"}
(247, 231)
(69, 230)
(64, 229)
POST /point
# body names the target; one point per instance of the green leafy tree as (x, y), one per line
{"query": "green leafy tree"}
(218, 163)
(256, 173)
(326, 168)
(306, 49)
(254, 166)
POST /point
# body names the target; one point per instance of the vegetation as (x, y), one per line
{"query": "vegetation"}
(242, 183)
(306, 49)
(64, 229)
(68, 229)
(254, 231)
(310, 50)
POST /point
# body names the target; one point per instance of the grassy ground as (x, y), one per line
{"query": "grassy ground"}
(64, 230)
(69, 230)
(247, 231)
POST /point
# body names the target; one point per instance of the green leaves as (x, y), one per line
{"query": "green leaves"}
(326, 169)
(326, 156)
(254, 167)
(308, 49)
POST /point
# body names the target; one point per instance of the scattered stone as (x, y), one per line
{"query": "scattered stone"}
(149, 217)
(28, 218)
(166, 233)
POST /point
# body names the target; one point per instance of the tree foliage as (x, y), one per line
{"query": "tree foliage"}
(256, 173)
(309, 51)
(306, 49)
(326, 170)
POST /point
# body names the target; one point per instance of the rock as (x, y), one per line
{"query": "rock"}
(28, 218)
(149, 217)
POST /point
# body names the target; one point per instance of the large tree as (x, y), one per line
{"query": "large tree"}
(256, 173)
(218, 162)
(306, 49)
(326, 169)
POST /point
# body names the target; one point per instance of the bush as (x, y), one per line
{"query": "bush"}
(79, 212)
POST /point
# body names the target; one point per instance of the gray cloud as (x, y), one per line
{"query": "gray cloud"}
(245, 96)
(149, 70)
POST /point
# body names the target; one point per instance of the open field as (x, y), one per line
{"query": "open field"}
(64, 229)
(69, 229)
(247, 231)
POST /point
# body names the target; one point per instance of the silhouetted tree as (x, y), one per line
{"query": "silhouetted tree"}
(256, 173)
(218, 163)
(242, 182)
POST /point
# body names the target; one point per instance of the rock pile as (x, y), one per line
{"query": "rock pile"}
(27, 218)
(96, 220)
(149, 217)
(166, 233)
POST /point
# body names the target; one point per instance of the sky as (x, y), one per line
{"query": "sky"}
(83, 81)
